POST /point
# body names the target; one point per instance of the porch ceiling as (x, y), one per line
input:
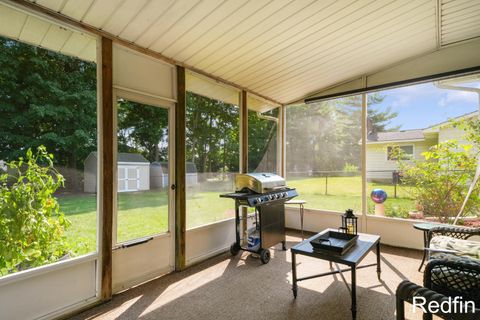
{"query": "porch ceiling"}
(282, 49)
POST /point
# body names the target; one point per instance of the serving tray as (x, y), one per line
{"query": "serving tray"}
(335, 242)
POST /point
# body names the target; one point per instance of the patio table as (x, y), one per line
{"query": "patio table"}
(365, 243)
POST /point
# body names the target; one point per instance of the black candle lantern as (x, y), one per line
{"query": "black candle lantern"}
(349, 222)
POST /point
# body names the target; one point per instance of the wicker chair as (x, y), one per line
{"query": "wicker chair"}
(446, 275)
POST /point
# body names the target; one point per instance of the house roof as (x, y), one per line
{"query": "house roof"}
(127, 157)
(412, 135)
(407, 135)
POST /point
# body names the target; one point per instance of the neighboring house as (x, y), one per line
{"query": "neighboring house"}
(381, 164)
(159, 174)
(133, 172)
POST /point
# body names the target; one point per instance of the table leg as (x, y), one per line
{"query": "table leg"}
(354, 293)
(294, 275)
(301, 220)
(425, 244)
(379, 268)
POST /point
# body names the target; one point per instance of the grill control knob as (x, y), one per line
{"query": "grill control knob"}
(277, 196)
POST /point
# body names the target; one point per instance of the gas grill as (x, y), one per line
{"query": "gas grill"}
(267, 194)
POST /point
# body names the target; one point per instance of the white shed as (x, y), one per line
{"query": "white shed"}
(133, 172)
(159, 174)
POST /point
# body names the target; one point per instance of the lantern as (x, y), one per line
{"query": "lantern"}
(349, 222)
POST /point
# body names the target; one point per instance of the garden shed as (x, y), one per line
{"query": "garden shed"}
(133, 172)
(159, 174)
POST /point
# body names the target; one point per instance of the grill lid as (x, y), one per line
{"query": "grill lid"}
(259, 182)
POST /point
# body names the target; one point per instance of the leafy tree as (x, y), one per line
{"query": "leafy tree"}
(31, 223)
(143, 129)
(212, 134)
(262, 146)
(49, 99)
(326, 136)
(440, 181)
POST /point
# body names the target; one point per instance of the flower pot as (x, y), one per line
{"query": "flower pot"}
(416, 215)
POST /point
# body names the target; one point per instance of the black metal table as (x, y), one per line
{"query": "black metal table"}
(426, 227)
(352, 258)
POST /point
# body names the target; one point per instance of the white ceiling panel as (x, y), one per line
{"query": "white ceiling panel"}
(460, 20)
(34, 30)
(353, 40)
(146, 19)
(101, 11)
(76, 9)
(223, 12)
(19, 25)
(123, 16)
(282, 49)
(12, 22)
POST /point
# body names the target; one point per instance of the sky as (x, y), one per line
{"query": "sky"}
(423, 105)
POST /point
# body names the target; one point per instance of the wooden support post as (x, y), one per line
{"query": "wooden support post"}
(107, 164)
(364, 161)
(244, 151)
(180, 170)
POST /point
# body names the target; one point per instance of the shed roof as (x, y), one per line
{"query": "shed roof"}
(282, 49)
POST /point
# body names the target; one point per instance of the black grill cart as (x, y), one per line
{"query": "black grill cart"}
(269, 213)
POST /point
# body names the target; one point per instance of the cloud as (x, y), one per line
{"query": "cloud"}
(454, 97)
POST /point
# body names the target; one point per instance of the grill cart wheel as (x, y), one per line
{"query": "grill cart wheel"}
(265, 256)
(234, 249)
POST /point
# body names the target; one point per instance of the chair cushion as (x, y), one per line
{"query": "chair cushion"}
(461, 247)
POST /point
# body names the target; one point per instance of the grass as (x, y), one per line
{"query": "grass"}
(341, 193)
(145, 213)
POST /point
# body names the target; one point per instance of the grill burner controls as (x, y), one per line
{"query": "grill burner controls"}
(256, 199)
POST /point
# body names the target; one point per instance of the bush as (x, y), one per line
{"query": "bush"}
(31, 223)
(440, 181)
(348, 167)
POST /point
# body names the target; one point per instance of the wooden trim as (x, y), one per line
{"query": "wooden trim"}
(107, 139)
(364, 161)
(244, 133)
(83, 26)
(283, 141)
(180, 171)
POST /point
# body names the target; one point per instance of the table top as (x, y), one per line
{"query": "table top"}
(426, 226)
(296, 201)
(352, 257)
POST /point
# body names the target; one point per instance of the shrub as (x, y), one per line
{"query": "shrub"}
(31, 223)
(440, 181)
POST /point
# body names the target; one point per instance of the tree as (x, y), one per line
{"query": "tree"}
(440, 181)
(143, 129)
(212, 134)
(49, 99)
(325, 136)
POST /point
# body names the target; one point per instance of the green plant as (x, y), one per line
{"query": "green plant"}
(440, 181)
(348, 167)
(31, 223)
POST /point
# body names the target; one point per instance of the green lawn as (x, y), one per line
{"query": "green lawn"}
(145, 213)
(140, 214)
(342, 193)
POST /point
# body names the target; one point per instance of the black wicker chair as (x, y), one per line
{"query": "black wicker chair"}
(446, 275)
(452, 231)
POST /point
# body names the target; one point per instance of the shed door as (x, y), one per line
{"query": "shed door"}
(128, 178)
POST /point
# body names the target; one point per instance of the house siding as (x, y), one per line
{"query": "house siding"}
(379, 168)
